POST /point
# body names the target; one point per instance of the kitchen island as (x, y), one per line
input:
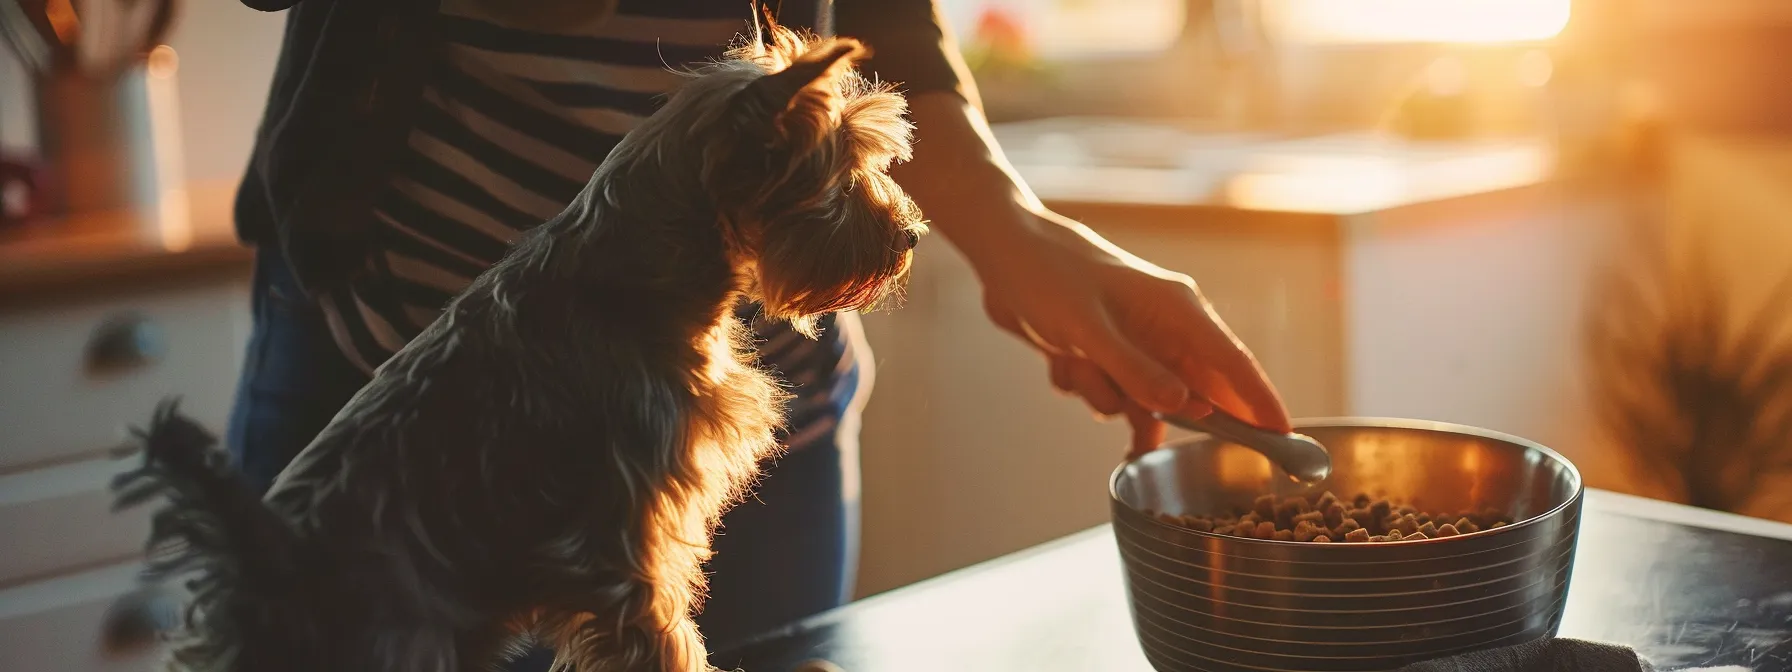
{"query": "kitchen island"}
(1685, 587)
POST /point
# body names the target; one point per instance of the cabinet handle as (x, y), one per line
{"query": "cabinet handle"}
(123, 343)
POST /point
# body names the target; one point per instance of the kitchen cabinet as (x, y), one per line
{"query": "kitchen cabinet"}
(99, 321)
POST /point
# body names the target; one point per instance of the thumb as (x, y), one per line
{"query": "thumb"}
(1141, 376)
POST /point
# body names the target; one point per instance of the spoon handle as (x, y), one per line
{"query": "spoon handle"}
(1298, 454)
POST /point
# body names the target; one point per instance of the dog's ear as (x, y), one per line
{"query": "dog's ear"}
(803, 102)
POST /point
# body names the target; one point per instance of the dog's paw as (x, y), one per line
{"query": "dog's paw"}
(817, 666)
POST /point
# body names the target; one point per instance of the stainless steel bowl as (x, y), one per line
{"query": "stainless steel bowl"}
(1203, 601)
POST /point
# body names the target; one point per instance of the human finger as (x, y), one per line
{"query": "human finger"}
(1139, 375)
(1219, 368)
(1147, 431)
(1088, 381)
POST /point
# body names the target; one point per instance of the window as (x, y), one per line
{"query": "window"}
(1438, 21)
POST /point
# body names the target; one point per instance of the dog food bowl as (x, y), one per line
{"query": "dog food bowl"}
(1203, 601)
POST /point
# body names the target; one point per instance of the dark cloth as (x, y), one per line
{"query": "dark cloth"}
(348, 83)
(787, 553)
(294, 378)
(1543, 655)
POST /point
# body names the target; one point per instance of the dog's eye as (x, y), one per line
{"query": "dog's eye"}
(910, 238)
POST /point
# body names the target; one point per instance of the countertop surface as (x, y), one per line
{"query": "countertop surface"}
(189, 232)
(1686, 587)
(1122, 162)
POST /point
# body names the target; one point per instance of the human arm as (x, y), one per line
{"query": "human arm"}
(1126, 335)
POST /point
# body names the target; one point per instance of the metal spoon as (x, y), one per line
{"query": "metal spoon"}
(1305, 460)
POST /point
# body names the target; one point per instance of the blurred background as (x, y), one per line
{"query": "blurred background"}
(1562, 219)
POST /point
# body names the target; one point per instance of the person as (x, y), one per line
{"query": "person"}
(405, 143)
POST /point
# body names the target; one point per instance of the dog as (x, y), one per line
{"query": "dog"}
(548, 460)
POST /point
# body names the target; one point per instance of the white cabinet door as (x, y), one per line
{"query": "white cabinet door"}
(54, 405)
(54, 625)
(64, 407)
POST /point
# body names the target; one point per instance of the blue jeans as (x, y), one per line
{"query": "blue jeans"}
(785, 554)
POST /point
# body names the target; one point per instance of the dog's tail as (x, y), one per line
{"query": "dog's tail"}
(216, 530)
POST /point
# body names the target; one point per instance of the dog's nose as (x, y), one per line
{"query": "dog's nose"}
(910, 239)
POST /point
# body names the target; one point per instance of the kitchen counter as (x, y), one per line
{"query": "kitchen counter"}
(1157, 164)
(51, 257)
(1686, 587)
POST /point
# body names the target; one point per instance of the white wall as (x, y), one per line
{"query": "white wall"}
(17, 124)
(227, 54)
(1473, 312)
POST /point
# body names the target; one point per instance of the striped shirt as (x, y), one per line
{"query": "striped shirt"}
(511, 126)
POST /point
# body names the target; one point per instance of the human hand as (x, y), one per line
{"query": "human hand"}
(1127, 336)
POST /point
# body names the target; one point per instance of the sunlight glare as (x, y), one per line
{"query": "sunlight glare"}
(174, 220)
(1448, 21)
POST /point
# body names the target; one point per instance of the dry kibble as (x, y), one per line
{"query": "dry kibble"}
(1264, 507)
(1408, 524)
(1329, 519)
(1288, 510)
(1380, 510)
(1334, 514)
(1305, 531)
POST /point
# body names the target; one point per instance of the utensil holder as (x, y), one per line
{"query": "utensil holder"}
(96, 140)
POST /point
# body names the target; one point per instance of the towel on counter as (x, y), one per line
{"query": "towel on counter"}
(1550, 655)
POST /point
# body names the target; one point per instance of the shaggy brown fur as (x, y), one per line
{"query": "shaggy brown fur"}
(549, 458)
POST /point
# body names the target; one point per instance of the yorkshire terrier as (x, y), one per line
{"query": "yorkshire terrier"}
(548, 460)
